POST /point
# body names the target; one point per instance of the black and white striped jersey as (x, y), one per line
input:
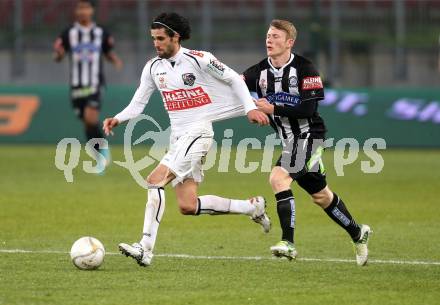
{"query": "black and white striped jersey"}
(86, 45)
(295, 90)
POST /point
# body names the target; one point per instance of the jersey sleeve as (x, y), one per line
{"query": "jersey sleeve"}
(310, 83)
(214, 67)
(108, 42)
(141, 96)
(65, 42)
(250, 77)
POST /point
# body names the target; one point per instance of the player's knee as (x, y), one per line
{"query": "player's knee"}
(157, 178)
(187, 207)
(318, 199)
(89, 124)
(187, 204)
(187, 210)
(278, 182)
(90, 120)
(322, 198)
(91, 115)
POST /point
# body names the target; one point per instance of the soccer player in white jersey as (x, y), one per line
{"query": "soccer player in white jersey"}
(196, 89)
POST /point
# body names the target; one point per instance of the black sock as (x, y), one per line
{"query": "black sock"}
(286, 213)
(339, 213)
(93, 131)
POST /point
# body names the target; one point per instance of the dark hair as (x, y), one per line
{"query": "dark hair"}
(173, 22)
(90, 2)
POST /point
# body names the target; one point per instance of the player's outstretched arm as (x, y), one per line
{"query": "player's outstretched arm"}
(137, 104)
(109, 124)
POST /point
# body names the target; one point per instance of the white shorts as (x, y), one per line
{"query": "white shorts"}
(187, 153)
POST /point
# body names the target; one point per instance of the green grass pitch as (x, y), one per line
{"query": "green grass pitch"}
(41, 212)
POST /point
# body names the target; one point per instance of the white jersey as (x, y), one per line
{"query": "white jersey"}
(195, 87)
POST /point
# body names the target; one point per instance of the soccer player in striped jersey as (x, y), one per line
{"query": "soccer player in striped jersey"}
(86, 43)
(288, 89)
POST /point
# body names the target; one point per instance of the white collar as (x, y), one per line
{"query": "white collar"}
(282, 68)
(84, 28)
(178, 55)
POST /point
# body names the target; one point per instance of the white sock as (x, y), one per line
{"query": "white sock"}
(215, 205)
(154, 210)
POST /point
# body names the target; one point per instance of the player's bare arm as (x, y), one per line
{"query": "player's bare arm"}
(58, 50)
(115, 60)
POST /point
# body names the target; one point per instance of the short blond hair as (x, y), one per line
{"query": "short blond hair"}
(285, 26)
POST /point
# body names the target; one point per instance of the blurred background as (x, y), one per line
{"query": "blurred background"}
(379, 58)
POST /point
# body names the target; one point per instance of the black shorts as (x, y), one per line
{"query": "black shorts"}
(302, 158)
(79, 104)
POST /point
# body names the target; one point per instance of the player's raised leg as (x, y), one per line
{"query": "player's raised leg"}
(336, 209)
(254, 207)
(185, 160)
(142, 251)
(190, 204)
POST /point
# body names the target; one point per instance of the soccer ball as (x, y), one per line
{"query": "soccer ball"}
(87, 253)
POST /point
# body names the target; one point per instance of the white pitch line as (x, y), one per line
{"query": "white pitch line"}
(305, 259)
(249, 258)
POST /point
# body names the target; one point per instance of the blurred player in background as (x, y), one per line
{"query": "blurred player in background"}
(86, 43)
(196, 89)
(288, 89)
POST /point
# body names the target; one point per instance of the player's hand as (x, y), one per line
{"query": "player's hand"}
(264, 106)
(118, 64)
(108, 125)
(258, 117)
